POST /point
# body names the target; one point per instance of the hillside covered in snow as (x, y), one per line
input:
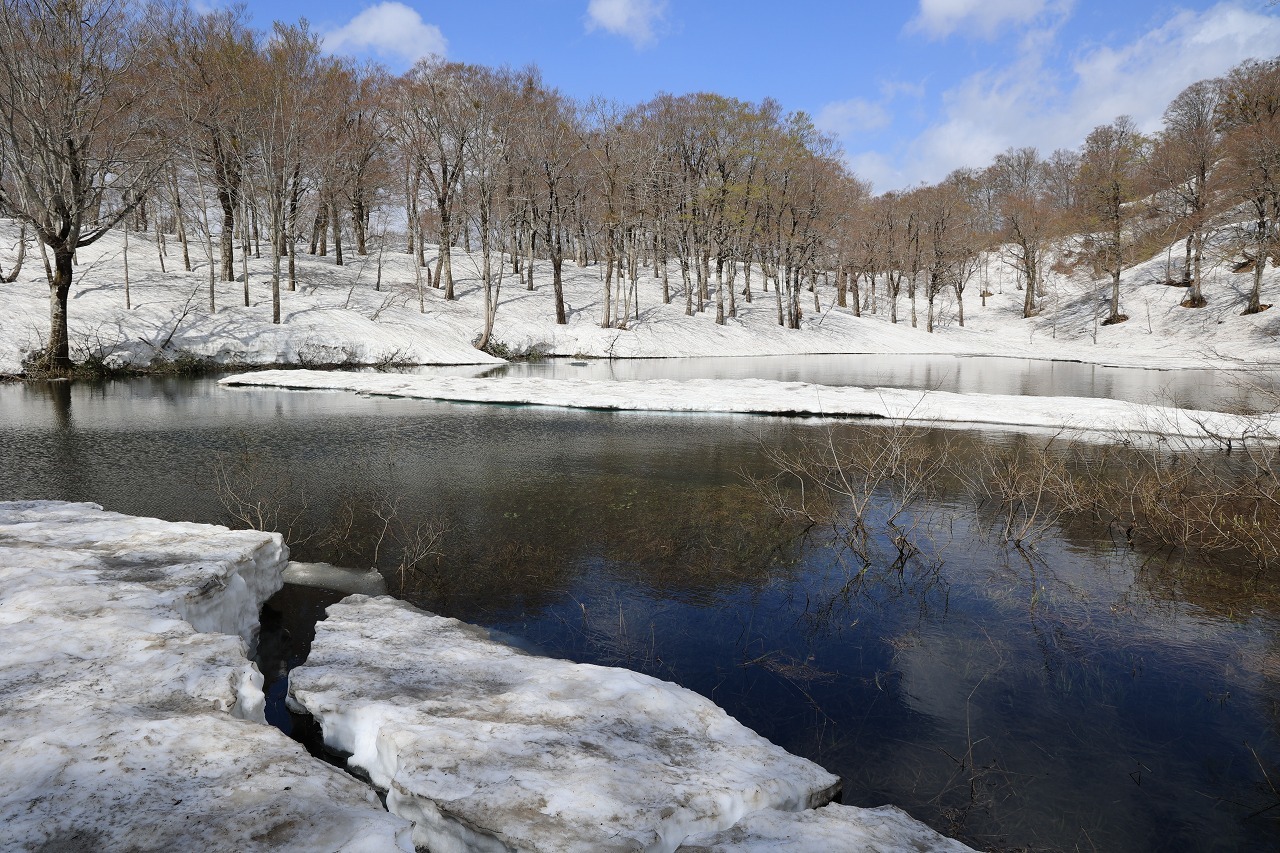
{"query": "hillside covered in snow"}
(358, 314)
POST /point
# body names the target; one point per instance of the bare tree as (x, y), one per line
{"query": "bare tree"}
(74, 85)
(1182, 163)
(551, 145)
(1024, 215)
(1109, 174)
(203, 61)
(1249, 113)
(289, 74)
(439, 103)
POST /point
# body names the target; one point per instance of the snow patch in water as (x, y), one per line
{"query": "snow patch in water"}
(489, 749)
(1086, 415)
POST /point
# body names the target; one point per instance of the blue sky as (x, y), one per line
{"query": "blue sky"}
(912, 88)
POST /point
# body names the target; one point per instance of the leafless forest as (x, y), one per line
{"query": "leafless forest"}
(199, 129)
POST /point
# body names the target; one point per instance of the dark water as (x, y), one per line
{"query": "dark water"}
(1088, 698)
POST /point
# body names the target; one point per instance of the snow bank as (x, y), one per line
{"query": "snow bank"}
(831, 829)
(130, 717)
(488, 749)
(766, 397)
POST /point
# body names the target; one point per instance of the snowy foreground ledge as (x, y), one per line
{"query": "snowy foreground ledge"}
(488, 749)
(131, 717)
(769, 397)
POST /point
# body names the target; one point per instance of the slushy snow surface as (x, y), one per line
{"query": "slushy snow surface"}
(489, 749)
(132, 718)
(831, 829)
(768, 397)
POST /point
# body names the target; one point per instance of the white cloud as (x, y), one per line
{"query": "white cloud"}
(878, 169)
(852, 117)
(1028, 102)
(940, 18)
(390, 30)
(637, 20)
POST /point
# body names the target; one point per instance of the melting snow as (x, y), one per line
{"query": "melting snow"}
(831, 829)
(768, 397)
(131, 716)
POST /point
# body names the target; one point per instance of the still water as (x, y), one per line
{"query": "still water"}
(1087, 698)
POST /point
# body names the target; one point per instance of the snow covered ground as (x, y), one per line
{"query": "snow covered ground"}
(487, 748)
(1077, 415)
(132, 718)
(336, 316)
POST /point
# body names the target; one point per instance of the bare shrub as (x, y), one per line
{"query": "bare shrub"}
(367, 529)
(864, 484)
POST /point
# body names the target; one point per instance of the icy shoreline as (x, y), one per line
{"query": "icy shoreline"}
(133, 719)
(1091, 416)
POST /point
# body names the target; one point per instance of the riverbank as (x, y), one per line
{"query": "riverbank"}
(374, 311)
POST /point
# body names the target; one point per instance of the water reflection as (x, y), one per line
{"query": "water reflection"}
(1079, 696)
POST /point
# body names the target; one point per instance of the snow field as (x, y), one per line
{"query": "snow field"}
(337, 317)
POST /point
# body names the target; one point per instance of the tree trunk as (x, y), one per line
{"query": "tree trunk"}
(181, 220)
(244, 247)
(1195, 296)
(719, 290)
(688, 285)
(1259, 265)
(358, 221)
(444, 269)
(22, 255)
(227, 246)
(1117, 265)
(733, 280)
(528, 259)
(1031, 265)
(335, 220)
(777, 293)
(607, 320)
(557, 261)
(911, 294)
(128, 302)
(276, 206)
(57, 356)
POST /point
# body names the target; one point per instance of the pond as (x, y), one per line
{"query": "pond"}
(1087, 697)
